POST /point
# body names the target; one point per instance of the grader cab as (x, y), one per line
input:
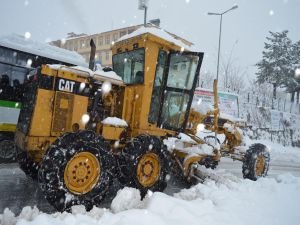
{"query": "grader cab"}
(80, 130)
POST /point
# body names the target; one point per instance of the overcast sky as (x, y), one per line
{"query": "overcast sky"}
(243, 36)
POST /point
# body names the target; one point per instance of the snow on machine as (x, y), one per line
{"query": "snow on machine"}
(79, 129)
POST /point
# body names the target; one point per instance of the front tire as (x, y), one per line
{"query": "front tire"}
(76, 170)
(256, 162)
(143, 164)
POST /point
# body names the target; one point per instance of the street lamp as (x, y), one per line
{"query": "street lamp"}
(221, 14)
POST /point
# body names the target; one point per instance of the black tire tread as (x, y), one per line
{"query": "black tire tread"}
(51, 172)
(129, 158)
(249, 162)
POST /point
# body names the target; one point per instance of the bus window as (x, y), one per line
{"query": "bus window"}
(11, 82)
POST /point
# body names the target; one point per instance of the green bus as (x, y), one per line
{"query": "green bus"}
(18, 56)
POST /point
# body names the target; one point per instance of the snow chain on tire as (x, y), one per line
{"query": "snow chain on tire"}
(65, 148)
(129, 160)
(255, 152)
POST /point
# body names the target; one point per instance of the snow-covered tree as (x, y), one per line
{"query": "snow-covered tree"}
(234, 79)
(295, 74)
(206, 80)
(276, 64)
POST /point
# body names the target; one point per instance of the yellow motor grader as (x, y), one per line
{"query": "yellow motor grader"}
(78, 129)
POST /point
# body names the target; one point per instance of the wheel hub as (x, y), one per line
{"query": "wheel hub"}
(82, 173)
(148, 169)
(260, 165)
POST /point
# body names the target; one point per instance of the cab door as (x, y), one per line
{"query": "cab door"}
(179, 83)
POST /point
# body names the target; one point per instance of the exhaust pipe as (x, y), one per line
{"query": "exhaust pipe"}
(92, 55)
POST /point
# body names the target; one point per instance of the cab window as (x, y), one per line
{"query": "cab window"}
(130, 66)
(182, 71)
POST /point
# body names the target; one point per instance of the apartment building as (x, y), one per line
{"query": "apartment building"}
(80, 43)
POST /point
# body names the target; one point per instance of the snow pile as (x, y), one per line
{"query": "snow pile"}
(114, 121)
(109, 75)
(176, 142)
(196, 149)
(99, 74)
(186, 138)
(231, 201)
(157, 32)
(127, 198)
(80, 68)
(19, 42)
(186, 144)
(202, 107)
(231, 118)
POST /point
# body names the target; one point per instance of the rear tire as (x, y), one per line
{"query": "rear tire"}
(256, 162)
(85, 155)
(143, 164)
(7, 151)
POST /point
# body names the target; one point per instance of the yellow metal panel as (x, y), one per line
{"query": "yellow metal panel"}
(64, 104)
(42, 115)
(111, 132)
(79, 109)
(79, 77)
(61, 121)
(128, 104)
(36, 146)
(46, 70)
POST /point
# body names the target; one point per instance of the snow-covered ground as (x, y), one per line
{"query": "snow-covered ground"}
(228, 200)
(224, 198)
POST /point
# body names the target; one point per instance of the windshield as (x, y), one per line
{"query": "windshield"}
(130, 66)
(182, 71)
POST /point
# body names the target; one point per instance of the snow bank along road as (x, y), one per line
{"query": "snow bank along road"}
(226, 198)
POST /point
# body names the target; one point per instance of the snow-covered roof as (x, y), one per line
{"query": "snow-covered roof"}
(157, 32)
(19, 42)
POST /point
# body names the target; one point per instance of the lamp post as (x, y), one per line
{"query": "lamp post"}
(220, 33)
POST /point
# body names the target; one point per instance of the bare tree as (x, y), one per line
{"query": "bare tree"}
(206, 80)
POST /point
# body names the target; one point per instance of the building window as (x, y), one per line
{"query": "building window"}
(107, 40)
(122, 33)
(100, 41)
(115, 36)
(100, 57)
(75, 45)
(107, 55)
(87, 43)
(130, 31)
(82, 44)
